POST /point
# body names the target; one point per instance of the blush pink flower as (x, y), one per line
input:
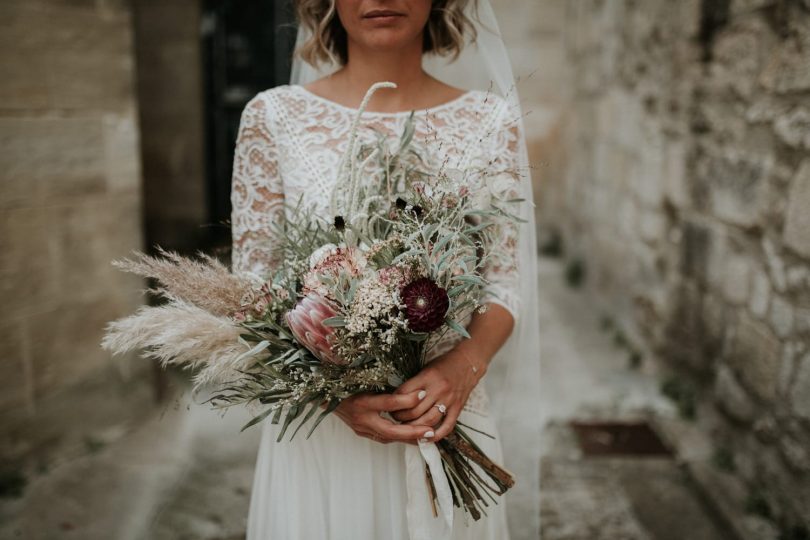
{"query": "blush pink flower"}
(331, 263)
(396, 276)
(306, 323)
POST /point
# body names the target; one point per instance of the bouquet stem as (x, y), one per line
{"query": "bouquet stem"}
(469, 487)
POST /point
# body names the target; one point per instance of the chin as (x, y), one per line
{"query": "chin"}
(387, 39)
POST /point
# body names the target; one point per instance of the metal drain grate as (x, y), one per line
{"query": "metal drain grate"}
(619, 439)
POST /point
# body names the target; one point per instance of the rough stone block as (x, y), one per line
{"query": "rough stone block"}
(650, 187)
(793, 128)
(738, 56)
(90, 64)
(652, 225)
(796, 454)
(739, 7)
(715, 320)
(788, 370)
(788, 69)
(732, 398)
(121, 152)
(776, 265)
(765, 109)
(27, 280)
(803, 320)
(675, 180)
(685, 334)
(627, 218)
(629, 119)
(55, 157)
(781, 316)
(797, 220)
(23, 84)
(736, 186)
(800, 392)
(760, 294)
(84, 255)
(15, 374)
(736, 282)
(70, 349)
(719, 115)
(697, 242)
(755, 355)
(798, 277)
(65, 56)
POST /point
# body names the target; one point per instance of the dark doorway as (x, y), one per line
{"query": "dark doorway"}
(246, 48)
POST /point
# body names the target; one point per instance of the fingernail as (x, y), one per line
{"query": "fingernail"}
(421, 395)
(429, 434)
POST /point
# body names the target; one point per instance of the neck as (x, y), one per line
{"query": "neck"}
(401, 66)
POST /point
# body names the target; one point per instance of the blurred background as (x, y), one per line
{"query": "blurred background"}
(671, 151)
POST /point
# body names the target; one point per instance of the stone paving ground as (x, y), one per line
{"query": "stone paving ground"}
(186, 472)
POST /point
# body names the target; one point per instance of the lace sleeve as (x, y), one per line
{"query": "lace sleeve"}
(501, 271)
(257, 194)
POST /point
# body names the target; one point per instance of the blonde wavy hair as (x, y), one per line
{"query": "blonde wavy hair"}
(444, 33)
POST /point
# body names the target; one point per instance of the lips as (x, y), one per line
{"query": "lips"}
(382, 14)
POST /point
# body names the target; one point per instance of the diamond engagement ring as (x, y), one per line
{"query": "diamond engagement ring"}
(441, 407)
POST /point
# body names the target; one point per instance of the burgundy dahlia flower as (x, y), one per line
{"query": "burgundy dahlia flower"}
(426, 305)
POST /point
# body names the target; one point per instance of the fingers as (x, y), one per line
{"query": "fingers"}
(414, 384)
(436, 390)
(373, 437)
(376, 437)
(448, 423)
(408, 415)
(391, 402)
(431, 418)
(400, 432)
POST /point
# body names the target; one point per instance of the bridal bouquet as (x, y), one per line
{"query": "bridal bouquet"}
(357, 305)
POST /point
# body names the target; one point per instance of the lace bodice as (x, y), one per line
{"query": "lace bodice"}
(290, 143)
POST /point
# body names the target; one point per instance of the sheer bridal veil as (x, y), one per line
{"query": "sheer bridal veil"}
(513, 380)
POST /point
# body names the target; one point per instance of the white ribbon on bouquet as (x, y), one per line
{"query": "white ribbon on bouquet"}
(423, 524)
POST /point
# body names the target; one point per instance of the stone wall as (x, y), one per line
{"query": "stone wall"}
(69, 191)
(680, 178)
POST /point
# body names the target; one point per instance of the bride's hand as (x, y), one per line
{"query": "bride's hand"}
(361, 412)
(447, 380)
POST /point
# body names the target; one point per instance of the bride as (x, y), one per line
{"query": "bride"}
(361, 475)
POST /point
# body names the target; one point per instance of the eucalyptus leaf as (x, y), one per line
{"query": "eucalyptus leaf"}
(254, 351)
(334, 322)
(256, 419)
(470, 278)
(316, 403)
(294, 412)
(329, 408)
(457, 327)
(455, 291)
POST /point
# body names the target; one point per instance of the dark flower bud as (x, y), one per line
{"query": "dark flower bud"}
(417, 211)
(340, 224)
(426, 305)
(401, 203)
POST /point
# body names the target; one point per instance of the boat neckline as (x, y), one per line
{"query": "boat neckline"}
(434, 108)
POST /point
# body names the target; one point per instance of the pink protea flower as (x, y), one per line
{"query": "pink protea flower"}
(306, 323)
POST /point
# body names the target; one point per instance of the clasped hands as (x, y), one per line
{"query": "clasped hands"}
(425, 406)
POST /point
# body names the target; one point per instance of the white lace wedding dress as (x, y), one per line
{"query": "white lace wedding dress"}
(336, 485)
